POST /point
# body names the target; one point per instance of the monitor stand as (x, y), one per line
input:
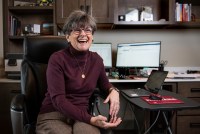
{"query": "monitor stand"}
(107, 71)
(123, 72)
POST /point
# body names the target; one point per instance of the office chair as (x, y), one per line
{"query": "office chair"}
(25, 106)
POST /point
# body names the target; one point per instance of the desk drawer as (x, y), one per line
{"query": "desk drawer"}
(188, 124)
(190, 111)
(189, 89)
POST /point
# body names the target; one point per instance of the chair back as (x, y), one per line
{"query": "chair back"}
(37, 51)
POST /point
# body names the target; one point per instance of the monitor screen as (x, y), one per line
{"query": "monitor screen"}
(145, 54)
(105, 51)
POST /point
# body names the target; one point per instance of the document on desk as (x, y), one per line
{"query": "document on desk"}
(183, 76)
(165, 100)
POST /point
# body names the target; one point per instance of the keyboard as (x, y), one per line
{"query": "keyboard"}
(141, 92)
(136, 92)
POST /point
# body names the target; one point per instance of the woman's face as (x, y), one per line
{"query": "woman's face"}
(81, 38)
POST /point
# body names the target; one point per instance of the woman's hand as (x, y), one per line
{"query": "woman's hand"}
(113, 97)
(101, 121)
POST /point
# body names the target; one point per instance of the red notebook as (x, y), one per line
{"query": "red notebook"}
(165, 100)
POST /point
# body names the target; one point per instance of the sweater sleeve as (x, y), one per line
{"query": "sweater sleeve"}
(56, 89)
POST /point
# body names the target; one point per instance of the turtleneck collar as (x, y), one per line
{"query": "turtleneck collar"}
(78, 54)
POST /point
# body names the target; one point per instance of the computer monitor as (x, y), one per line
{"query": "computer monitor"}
(143, 54)
(105, 51)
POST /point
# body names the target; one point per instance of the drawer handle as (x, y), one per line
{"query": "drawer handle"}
(195, 90)
(195, 125)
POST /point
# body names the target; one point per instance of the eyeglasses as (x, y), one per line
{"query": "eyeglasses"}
(87, 31)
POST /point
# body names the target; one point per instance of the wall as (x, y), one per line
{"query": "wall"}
(180, 47)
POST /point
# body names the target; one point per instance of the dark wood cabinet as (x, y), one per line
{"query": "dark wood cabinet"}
(65, 7)
(7, 92)
(188, 121)
(102, 11)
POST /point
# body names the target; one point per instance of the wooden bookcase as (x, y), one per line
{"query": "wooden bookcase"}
(26, 15)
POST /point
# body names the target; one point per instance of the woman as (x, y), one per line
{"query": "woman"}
(72, 75)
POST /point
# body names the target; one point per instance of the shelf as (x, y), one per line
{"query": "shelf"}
(141, 25)
(185, 25)
(16, 37)
(22, 37)
(33, 9)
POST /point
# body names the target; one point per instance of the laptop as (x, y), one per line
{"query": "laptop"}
(152, 86)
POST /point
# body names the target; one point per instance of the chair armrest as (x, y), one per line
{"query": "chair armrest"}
(17, 102)
(17, 114)
(97, 106)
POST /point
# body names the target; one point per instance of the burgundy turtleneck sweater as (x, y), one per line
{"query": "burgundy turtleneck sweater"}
(67, 91)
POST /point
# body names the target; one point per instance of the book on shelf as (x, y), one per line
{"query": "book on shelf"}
(183, 12)
(14, 26)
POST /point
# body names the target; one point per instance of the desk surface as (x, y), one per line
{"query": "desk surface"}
(188, 103)
(112, 80)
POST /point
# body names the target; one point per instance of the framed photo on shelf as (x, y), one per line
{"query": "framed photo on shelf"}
(47, 29)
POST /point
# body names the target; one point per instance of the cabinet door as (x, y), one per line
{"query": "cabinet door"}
(65, 7)
(101, 10)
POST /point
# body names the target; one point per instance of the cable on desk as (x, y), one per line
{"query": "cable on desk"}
(153, 123)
